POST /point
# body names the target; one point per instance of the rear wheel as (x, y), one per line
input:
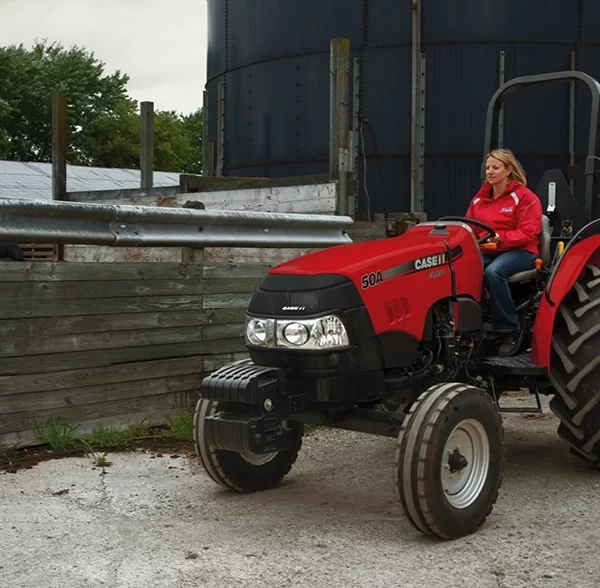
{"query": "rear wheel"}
(449, 460)
(575, 367)
(243, 472)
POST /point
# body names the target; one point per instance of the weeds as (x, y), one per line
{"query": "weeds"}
(6, 452)
(110, 438)
(61, 437)
(102, 462)
(179, 427)
(64, 438)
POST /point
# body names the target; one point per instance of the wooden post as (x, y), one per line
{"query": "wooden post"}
(59, 155)
(205, 145)
(147, 144)
(59, 147)
(339, 124)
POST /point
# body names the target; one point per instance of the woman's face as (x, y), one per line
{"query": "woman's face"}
(496, 172)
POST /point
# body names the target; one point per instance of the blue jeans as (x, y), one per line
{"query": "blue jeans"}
(497, 271)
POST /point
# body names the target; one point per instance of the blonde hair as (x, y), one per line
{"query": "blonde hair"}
(507, 157)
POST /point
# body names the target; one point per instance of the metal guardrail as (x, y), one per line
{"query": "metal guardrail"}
(79, 223)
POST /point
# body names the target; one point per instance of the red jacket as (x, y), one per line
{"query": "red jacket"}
(516, 216)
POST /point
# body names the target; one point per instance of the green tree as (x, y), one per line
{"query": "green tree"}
(29, 79)
(193, 125)
(113, 139)
(103, 121)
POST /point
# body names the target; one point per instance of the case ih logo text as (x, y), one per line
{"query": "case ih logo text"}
(430, 261)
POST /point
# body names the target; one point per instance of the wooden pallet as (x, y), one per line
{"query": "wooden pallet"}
(39, 252)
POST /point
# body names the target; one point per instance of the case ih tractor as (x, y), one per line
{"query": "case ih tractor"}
(389, 337)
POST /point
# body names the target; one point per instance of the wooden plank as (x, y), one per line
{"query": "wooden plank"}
(237, 270)
(17, 346)
(56, 362)
(23, 421)
(243, 255)
(124, 288)
(223, 331)
(58, 400)
(119, 289)
(65, 380)
(69, 272)
(310, 198)
(232, 285)
(105, 254)
(46, 327)
(216, 361)
(93, 306)
(226, 300)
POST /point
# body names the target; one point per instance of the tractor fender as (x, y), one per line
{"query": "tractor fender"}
(568, 273)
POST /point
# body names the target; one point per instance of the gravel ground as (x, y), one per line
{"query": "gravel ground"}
(157, 521)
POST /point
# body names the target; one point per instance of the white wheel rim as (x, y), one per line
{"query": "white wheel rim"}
(258, 460)
(251, 458)
(465, 463)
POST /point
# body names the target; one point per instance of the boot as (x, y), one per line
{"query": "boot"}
(509, 343)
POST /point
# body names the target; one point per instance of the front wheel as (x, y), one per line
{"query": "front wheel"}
(242, 472)
(450, 460)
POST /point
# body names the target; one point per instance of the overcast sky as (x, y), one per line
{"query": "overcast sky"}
(160, 44)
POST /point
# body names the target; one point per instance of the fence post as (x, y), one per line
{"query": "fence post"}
(190, 254)
(206, 169)
(147, 144)
(59, 147)
(59, 154)
(339, 126)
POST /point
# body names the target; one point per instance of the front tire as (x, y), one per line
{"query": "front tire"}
(449, 460)
(575, 367)
(238, 471)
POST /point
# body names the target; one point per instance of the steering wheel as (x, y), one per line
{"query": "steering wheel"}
(471, 221)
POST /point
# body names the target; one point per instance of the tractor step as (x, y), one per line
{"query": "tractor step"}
(517, 365)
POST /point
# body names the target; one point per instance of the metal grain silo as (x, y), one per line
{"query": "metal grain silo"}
(268, 89)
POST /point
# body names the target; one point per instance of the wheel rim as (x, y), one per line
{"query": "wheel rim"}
(258, 460)
(251, 458)
(465, 463)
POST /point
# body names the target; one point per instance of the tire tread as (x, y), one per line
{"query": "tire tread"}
(575, 367)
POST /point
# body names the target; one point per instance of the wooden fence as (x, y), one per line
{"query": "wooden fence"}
(113, 343)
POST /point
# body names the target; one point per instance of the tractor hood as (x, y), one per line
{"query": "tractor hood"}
(355, 259)
(397, 280)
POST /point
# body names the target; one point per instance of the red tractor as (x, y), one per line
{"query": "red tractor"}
(389, 337)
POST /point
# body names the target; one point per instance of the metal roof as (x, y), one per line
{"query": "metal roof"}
(33, 181)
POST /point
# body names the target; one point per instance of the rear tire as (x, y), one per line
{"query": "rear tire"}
(237, 471)
(449, 460)
(575, 367)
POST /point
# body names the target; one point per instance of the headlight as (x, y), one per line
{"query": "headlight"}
(256, 332)
(295, 333)
(326, 332)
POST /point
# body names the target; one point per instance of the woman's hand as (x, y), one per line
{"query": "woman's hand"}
(494, 239)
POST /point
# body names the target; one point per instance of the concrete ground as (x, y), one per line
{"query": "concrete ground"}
(148, 521)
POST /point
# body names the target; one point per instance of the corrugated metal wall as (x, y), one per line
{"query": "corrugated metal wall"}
(274, 59)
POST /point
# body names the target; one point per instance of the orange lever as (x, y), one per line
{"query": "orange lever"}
(538, 264)
(490, 245)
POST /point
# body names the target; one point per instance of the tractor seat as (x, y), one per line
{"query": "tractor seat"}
(544, 240)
